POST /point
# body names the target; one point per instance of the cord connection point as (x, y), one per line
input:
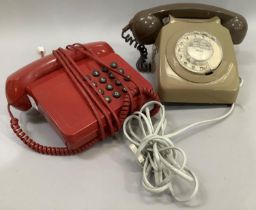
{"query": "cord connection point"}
(140, 157)
(41, 50)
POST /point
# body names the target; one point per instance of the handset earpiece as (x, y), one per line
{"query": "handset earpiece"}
(145, 28)
(237, 27)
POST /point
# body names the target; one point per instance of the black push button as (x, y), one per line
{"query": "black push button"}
(127, 78)
(118, 83)
(124, 90)
(103, 80)
(113, 65)
(108, 99)
(109, 87)
(121, 70)
(111, 75)
(101, 91)
(116, 94)
(95, 73)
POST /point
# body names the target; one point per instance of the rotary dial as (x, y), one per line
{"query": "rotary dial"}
(199, 52)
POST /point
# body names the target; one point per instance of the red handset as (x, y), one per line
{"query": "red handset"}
(85, 92)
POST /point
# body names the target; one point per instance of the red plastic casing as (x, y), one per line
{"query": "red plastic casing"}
(58, 99)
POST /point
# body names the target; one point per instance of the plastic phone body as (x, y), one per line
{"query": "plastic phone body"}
(63, 106)
(193, 53)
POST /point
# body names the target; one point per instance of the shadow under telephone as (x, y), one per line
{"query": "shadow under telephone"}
(193, 52)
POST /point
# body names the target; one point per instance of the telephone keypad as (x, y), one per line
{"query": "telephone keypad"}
(96, 73)
(103, 83)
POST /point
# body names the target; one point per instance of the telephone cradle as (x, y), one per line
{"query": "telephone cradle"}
(84, 91)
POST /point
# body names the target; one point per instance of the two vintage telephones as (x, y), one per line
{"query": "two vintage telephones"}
(87, 91)
(193, 53)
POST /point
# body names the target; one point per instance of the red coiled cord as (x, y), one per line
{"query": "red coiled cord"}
(48, 150)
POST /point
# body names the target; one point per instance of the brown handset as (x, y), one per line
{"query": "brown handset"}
(196, 41)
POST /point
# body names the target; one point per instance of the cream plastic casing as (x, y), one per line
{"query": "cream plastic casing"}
(177, 84)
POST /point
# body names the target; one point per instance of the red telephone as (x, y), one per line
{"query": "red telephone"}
(85, 92)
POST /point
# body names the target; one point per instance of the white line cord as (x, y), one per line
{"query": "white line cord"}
(160, 158)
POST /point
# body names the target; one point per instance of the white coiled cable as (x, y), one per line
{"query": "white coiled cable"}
(161, 160)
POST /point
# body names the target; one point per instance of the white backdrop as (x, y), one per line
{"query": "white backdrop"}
(107, 176)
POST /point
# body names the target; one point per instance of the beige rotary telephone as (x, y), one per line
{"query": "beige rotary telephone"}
(193, 52)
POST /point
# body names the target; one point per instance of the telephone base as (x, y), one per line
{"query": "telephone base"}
(84, 91)
(195, 62)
